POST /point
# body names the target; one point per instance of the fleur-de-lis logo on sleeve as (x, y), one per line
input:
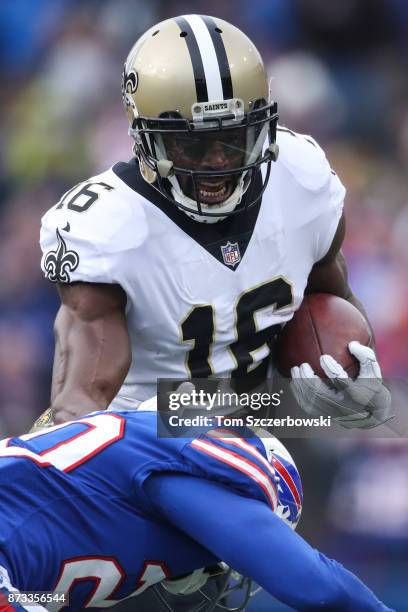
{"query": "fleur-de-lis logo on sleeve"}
(59, 263)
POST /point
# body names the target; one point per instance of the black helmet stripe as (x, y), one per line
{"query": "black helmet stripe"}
(216, 37)
(196, 60)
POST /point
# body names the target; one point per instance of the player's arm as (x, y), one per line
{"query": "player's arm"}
(365, 402)
(92, 349)
(272, 554)
(329, 275)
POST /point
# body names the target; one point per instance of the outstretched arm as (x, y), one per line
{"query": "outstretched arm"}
(364, 403)
(245, 534)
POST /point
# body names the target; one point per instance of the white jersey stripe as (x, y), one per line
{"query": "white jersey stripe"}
(18, 451)
(208, 56)
(241, 464)
(222, 435)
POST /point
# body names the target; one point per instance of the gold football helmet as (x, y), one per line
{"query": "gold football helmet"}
(197, 97)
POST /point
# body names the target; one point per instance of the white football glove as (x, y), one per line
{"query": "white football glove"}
(364, 402)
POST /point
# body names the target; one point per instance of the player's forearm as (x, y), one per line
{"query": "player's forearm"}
(91, 362)
(257, 543)
(331, 276)
(350, 297)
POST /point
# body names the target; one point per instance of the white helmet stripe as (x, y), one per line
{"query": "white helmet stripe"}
(223, 63)
(208, 56)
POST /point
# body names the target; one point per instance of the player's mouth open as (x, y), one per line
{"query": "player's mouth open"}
(215, 191)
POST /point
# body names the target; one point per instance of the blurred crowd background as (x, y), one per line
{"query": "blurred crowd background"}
(339, 72)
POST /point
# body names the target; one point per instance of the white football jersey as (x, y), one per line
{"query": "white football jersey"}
(201, 299)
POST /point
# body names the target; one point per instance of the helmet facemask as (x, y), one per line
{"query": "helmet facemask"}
(206, 165)
(223, 590)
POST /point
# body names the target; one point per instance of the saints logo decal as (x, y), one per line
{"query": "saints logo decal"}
(59, 263)
(130, 81)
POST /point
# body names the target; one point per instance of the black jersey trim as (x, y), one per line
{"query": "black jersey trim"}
(238, 228)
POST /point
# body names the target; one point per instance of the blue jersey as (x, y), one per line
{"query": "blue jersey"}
(75, 515)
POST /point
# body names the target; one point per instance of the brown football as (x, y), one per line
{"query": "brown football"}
(323, 325)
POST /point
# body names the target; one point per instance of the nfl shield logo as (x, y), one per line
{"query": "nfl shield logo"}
(230, 253)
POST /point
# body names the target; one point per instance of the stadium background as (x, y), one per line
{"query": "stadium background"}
(339, 74)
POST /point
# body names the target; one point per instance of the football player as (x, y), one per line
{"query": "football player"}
(187, 260)
(98, 510)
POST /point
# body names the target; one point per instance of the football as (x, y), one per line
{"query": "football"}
(323, 325)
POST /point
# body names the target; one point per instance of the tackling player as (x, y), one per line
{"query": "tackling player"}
(186, 261)
(99, 510)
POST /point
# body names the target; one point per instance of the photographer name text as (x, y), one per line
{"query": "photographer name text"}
(247, 421)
